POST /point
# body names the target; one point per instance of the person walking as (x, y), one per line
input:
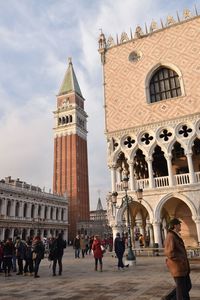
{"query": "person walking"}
(58, 247)
(77, 246)
(177, 261)
(119, 248)
(37, 254)
(82, 245)
(97, 252)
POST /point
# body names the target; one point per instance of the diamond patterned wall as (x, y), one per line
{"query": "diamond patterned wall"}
(125, 93)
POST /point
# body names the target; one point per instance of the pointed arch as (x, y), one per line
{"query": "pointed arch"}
(180, 196)
(117, 154)
(120, 213)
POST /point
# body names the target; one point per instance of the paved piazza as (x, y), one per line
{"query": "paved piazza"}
(147, 280)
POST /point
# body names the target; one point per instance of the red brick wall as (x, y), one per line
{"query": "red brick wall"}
(71, 175)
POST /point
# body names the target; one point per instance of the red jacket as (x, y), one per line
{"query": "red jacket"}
(96, 247)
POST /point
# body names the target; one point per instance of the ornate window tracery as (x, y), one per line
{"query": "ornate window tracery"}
(185, 131)
(146, 138)
(165, 135)
(129, 142)
(115, 144)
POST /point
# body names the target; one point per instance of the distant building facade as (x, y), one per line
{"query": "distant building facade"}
(70, 150)
(98, 223)
(26, 210)
(152, 124)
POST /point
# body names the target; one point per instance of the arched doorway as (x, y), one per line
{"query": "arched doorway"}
(175, 207)
(139, 223)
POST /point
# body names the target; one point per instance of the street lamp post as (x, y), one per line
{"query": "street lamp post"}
(127, 200)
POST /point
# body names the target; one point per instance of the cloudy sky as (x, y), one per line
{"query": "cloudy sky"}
(36, 39)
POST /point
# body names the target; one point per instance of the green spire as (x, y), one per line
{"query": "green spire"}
(70, 83)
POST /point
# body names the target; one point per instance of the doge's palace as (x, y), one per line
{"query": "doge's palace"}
(152, 124)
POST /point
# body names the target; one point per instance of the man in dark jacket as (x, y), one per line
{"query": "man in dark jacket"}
(119, 245)
(8, 250)
(20, 254)
(57, 249)
(77, 246)
(177, 260)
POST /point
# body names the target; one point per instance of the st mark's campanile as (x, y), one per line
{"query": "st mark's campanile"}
(70, 150)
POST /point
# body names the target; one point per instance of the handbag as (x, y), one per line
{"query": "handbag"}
(103, 249)
(34, 255)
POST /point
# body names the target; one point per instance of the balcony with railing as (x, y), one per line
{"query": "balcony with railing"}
(161, 182)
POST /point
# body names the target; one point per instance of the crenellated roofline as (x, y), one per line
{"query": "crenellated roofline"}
(106, 44)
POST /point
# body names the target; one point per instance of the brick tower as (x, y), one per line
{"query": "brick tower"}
(70, 150)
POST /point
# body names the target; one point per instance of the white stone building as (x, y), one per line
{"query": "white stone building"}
(152, 125)
(26, 210)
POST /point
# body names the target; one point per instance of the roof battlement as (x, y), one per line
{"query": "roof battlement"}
(105, 44)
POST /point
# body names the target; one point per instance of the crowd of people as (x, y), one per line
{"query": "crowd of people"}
(23, 257)
(83, 244)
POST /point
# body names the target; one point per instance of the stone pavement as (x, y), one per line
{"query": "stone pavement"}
(149, 279)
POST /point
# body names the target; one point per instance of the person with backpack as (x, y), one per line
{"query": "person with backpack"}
(56, 253)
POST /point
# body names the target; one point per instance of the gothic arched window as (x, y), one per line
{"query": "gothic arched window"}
(164, 84)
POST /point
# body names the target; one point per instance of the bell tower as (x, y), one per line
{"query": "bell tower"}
(70, 150)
